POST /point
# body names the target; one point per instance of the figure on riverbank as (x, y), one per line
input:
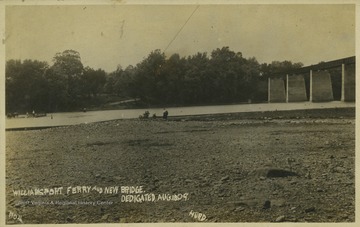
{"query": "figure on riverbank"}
(146, 114)
(165, 114)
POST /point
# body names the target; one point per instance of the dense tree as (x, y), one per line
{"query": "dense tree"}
(111, 82)
(92, 81)
(67, 64)
(33, 85)
(126, 83)
(25, 85)
(147, 78)
(57, 96)
(227, 75)
(194, 79)
(172, 80)
(277, 67)
(222, 77)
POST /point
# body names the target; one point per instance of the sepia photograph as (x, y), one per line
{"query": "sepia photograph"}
(178, 112)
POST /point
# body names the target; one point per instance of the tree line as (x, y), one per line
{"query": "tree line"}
(222, 77)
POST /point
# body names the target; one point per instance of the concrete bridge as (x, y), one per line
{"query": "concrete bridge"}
(313, 83)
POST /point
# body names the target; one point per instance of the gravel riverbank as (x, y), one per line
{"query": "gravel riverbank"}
(273, 168)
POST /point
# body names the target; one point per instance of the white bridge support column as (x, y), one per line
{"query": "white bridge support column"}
(287, 88)
(311, 87)
(269, 87)
(343, 82)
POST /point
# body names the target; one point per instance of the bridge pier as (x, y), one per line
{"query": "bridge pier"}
(295, 88)
(276, 90)
(348, 86)
(320, 87)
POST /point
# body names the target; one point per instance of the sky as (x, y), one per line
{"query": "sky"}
(107, 36)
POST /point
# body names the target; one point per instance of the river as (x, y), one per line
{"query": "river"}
(72, 118)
